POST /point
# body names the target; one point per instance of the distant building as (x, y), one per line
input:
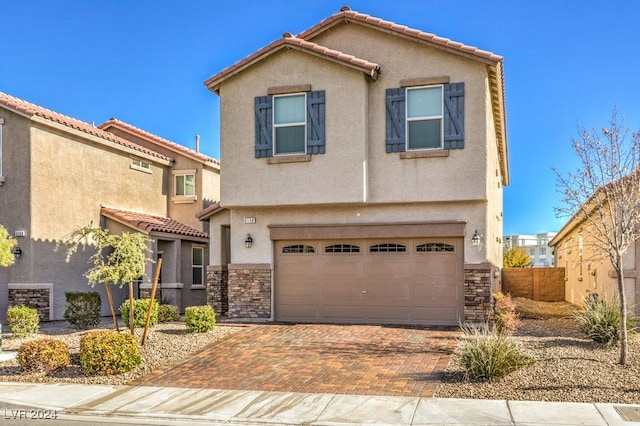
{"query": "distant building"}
(536, 246)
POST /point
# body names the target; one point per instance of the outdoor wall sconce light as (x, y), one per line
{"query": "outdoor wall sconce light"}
(475, 240)
(248, 242)
(17, 252)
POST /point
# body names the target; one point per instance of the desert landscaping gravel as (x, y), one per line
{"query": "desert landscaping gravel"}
(568, 366)
(164, 343)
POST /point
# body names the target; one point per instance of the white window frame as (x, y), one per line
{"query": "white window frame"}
(424, 118)
(277, 126)
(140, 165)
(184, 198)
(194, 266)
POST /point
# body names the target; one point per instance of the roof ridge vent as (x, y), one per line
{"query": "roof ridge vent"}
(288, 35)
(345, 8)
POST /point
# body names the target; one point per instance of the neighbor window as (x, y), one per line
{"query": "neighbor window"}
(289, 124)
(197, 265)
(139, 164)
(185, 185)
(424, 117)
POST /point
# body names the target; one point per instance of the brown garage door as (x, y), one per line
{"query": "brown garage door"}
(408, 281)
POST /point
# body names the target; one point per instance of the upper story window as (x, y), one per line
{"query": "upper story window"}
(425, 117)
(290, 124)
(184, 185)
(141, 165)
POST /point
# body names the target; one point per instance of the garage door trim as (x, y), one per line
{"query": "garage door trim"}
(386, 230)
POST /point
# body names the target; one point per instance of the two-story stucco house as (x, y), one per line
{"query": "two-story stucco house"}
(58, 173)
(360, 158)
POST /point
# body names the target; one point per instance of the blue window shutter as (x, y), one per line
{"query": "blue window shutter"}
(264, 126)
(395, 101)
(454, 116)
(315, 122)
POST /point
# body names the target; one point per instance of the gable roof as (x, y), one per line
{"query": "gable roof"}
(291, 42)
(159, 141)
(348, 15)
(303, 42)
(151, 224)
(46, 116)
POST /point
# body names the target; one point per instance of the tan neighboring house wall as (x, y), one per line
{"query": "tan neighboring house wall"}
(588, 270)
(355, 181)
(59, 174)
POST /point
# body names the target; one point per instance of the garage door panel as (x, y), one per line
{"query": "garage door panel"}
(387, 286)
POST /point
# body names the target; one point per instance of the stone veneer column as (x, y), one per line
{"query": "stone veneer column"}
(218, 288)
(478, 288)
(36, 296)
(249, 290)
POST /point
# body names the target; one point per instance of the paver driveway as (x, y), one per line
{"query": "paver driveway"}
(312, 358)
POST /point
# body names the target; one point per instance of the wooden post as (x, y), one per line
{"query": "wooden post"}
(113, 310)
(153, 298)
(131, 307)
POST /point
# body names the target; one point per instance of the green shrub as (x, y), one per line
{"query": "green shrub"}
(109, 352)
(43, 355)
(600, 320)
(504, 315)
(140, 309)
(83, 309)
(486, 354)
(167, 313)
(23, 320)
(199, 319)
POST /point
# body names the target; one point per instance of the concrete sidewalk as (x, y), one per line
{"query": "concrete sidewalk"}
(180, 406)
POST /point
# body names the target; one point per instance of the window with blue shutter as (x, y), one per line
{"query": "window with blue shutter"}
(428, 117)
(264, 132)
(290, 124)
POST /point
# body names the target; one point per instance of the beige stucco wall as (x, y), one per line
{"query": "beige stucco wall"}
(262, 249)
(356, 171)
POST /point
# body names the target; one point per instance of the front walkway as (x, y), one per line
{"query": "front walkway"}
(313, 358)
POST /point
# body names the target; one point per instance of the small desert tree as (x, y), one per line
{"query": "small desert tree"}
(118, 259)
(603, 195)
(6, 247)
(516, 257)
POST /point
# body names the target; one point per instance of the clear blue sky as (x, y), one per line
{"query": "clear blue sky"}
(568, 64)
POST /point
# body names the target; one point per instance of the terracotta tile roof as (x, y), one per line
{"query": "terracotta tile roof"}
(348, 15)
(114, 122)
(148, 224)
(303, 41)
(209, 211)
(30, 110)
(289, 41)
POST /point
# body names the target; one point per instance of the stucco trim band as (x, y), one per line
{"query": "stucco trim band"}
(431, 153)
(249, 266)
(389, 230)
(279, 90)
(289, 159)
(423, 81)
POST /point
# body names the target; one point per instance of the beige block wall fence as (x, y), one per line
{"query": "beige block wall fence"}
(540, 284)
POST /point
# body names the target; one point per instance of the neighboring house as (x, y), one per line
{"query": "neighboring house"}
(589, 271)
(536, 246)
(359, 159)
(58, 173)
